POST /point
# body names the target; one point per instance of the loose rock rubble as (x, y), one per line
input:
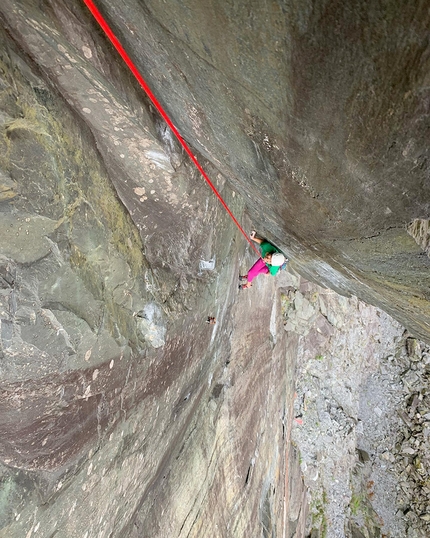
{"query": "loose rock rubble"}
(362, 417)
(411, 456)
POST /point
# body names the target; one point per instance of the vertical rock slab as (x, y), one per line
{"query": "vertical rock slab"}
(122, 412)
(113, 385)
(317, 113)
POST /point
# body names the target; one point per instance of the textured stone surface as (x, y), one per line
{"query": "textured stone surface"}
(361, 416)
(122, 412)
(341, 410)
(318, 114)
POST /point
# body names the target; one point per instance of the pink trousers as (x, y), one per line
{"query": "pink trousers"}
(258, 268)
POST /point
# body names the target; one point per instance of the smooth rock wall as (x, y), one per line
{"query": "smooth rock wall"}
(122, 412)
(318, 113)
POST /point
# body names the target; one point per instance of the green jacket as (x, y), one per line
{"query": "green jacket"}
(268, 248)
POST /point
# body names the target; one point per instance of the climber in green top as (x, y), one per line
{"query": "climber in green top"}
(270, 261)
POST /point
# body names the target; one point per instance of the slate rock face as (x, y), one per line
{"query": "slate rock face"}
(118, 411)
(318, 114)
(312, 117)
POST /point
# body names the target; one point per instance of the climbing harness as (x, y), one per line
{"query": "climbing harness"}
(112, 37)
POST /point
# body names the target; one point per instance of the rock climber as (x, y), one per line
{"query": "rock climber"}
(270, 262)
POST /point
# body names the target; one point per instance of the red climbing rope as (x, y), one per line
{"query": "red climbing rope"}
(99, 18)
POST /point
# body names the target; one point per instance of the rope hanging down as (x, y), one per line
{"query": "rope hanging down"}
(109, 33)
